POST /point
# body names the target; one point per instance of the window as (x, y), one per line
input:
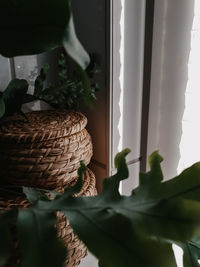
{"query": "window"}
(127, 53)
(173, 125)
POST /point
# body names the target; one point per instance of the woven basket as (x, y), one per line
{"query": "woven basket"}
(76, 249)
(44, 151)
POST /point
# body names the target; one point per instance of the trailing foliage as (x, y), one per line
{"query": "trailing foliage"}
(68, 93)
(36, 26)
(135, 230)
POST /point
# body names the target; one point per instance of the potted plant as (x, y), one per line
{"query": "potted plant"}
(43, 149)
(35, 33)
(68, 92)
(35, 27)
(137, 230)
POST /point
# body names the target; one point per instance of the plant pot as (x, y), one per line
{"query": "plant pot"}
(76, 250)
(45, 150)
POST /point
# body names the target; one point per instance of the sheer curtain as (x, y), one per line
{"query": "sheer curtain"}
(173, 82)
(173, 126)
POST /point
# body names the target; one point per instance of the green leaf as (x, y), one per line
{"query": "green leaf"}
(112, 239)
(2, 107)
(73, 47)
(155, 175)
(111, 184)
(39, 82)
(33, 195)
(191, 254)
(136, 230)
(7, 219)
(14, 95)
(186, 185)
(86, 86)
(172, 220)
(69, 92)
(36, 26)
(38, 240)
(120, 163)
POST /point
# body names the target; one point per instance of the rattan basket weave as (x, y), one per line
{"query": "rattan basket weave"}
(76, 249)
(44, 151)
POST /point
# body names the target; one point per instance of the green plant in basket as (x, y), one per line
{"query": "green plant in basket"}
(67, 93)
(34, 27)
(136, 230)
